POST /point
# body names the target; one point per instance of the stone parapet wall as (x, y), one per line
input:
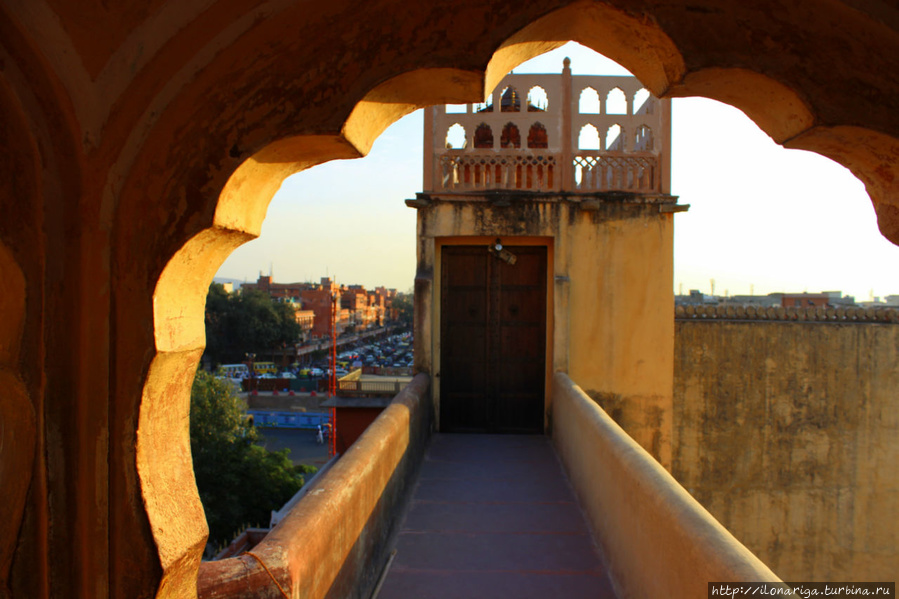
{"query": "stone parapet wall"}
(335, 541)
(657, 540)
(819, 314)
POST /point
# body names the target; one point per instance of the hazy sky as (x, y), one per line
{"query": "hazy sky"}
(760, 216)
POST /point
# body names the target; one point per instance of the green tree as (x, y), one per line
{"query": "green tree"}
(403, 304)
(247, 322)
(218, 322)
(239, 482)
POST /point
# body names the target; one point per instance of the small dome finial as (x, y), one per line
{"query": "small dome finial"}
(566, 63)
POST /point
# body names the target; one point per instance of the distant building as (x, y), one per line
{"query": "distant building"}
(278, 291)
(824, 299)
(306, 320)
(318, 298)
(360, 309)
(805, 300)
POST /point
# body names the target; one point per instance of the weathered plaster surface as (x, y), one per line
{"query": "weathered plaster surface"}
(789, 434)
(613, 328)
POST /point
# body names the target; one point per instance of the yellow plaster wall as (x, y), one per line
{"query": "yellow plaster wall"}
(610, 308)
(789, 434)
(621, 335)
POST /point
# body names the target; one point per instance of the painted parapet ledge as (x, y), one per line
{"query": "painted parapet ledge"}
(791, 314)
(334, 541)
(657, 539)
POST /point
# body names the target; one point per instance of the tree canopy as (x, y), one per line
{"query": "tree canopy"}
(404, 307)
(239, 482)
(247, 322)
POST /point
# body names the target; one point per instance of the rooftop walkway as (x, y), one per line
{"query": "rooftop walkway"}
(472, 516)
(494, 516)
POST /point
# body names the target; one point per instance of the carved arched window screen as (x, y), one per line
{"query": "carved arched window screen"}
(537, 137)
(616, 102)
(643, 139)
(510, 100)
(643, 102)
(483, 136)
(538, 101)
(510, 137)
(588, 103)
(588, 139)
(455, 137)
(614, 139)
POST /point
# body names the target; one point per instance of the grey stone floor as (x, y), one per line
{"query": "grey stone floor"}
(494, 516)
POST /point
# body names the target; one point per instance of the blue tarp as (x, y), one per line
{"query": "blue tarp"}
(266, 418)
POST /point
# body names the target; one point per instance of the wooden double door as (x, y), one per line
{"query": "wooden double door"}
(492, 339)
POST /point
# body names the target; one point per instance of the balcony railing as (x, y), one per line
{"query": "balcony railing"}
(498, 171)
(615, 171)
(368, 387)
(592, 171)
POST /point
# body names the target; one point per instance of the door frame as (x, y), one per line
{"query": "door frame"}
(510, 240)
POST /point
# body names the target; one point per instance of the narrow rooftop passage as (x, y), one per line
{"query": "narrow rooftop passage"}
(494, 516)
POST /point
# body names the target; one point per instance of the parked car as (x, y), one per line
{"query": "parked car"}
(316, 372)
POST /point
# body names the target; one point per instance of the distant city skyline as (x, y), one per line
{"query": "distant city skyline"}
(762, 218)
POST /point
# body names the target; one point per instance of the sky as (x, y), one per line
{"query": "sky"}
(762, 218)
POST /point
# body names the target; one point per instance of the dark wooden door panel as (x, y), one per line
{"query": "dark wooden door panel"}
(464, 359)
(520, 345)
(493, 340)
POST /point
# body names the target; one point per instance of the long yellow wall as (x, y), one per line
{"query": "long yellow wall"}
(788, 433)
(610, 300)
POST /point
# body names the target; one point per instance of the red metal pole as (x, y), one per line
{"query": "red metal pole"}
(332, 376)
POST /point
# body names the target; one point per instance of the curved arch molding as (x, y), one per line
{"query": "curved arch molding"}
(17, 420)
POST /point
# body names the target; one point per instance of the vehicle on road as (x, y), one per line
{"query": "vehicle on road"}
(262, 368)
(233, 371)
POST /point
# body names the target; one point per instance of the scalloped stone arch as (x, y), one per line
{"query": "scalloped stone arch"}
(537, 99)
(639, 45)
(164, 465)
(483, 136)
(614, 136)
(644, 139)
(872, 157)
(510, 136)
(17, 420)
(616, 102)
(456, 137)
(589, 138)
(589, 101)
